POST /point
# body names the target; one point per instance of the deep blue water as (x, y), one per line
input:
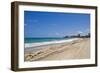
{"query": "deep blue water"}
(37, 40)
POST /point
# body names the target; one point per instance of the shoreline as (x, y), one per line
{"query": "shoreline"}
(66, 50)
(30, 45)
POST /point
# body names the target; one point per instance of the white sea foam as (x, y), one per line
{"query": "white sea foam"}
(27, 45)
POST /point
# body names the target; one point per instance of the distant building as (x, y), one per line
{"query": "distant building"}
(78, 36)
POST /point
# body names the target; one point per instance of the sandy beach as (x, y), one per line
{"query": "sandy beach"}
(77, 49)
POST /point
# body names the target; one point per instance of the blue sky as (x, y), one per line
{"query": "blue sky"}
(54, 24)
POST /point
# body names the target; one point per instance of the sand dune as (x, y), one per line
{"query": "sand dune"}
(77, 49)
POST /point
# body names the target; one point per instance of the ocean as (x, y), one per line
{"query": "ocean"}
(40, 40)
(36, 42)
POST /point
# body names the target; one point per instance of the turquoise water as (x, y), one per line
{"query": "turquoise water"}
(37, 40)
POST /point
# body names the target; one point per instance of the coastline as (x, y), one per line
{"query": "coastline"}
(28, 45)
(62, 50)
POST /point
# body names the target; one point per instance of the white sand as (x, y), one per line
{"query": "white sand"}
(77, 49)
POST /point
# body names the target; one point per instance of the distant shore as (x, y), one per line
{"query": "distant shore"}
(76, 49)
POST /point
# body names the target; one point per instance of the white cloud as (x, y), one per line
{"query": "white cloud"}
(35, 21)
(80, 32)
(57, 33)
(25, 24)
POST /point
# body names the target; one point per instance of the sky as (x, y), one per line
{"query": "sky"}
(55, 24)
